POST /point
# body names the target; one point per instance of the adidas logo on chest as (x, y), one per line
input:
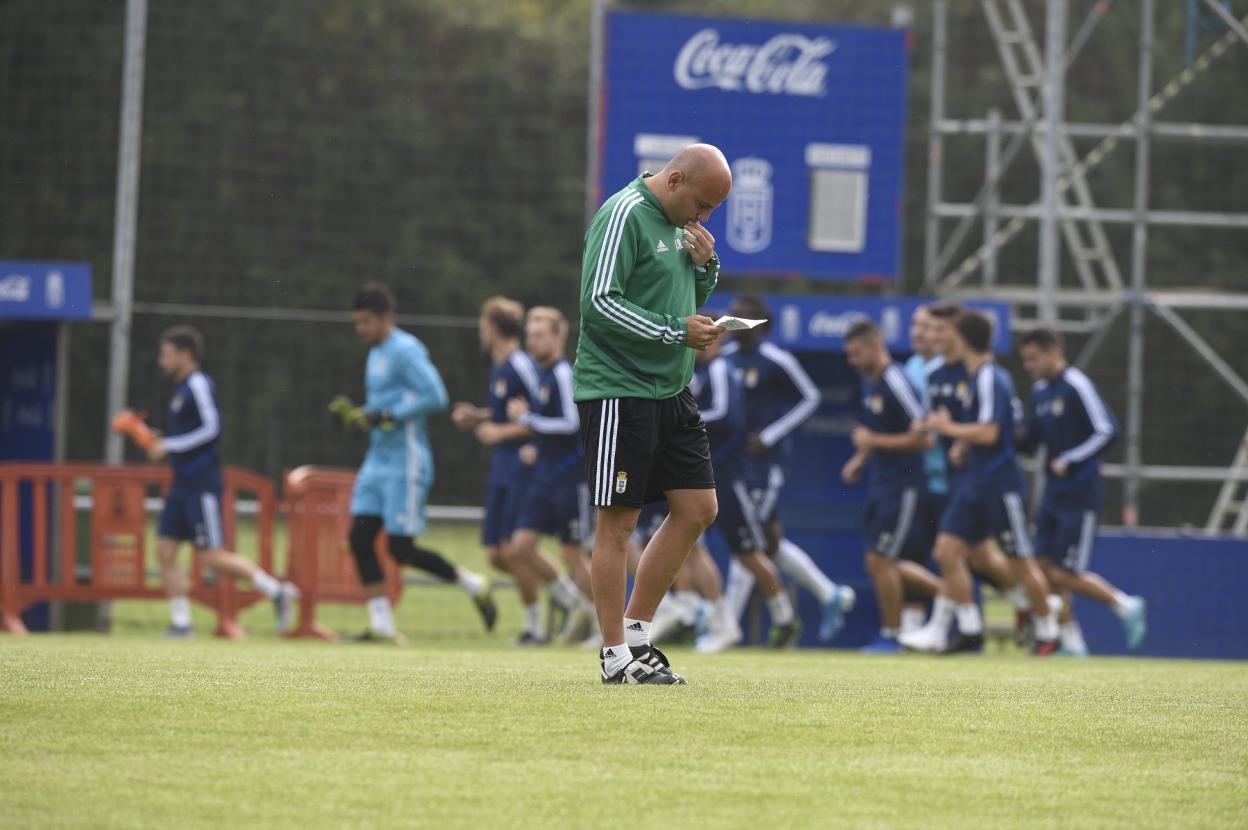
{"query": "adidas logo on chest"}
(660, 248)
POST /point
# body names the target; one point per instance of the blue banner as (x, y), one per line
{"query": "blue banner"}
(802, 323)
(45, 291)
(811, 119)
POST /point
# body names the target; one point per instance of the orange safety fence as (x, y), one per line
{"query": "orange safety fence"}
(41, 496)
(318, 515)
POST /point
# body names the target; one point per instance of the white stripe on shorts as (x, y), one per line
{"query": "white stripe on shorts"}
(905, 518)
(212, 521)
(1018, 524)
(615, 436)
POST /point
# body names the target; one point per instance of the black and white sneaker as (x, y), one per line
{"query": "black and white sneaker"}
(649, 665)
(528, 638)
(971, 643)
(484, 602)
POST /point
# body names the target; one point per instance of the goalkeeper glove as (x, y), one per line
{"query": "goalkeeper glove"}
(347, 414)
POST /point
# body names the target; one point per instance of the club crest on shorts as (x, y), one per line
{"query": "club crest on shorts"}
(621, 482)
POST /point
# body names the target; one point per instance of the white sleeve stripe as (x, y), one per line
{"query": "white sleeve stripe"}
(718, 374)
(1101, 424)
(567, 423)
(791, 420)
(903, 392)
(607, 255)
(210, 419)
(986, 383)
(523, 365)
(608, 252)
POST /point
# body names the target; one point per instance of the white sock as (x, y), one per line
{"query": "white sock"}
(796, 563)
(636, 632)
(473, 584)
(615, 658)
(180, 612)
(1123, 604)
(380, 620)
(911, 619)
(942, 612)
(533, 619)
(969, 621)
(737, 592)
(1046, 627)
(573, 590)
(1072, 638)
(781, 608)
(689, 602)
(888, 633)
(266, 584)
(1018, 598)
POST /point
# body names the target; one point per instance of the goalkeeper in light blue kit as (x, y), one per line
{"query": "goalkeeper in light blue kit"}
(403, 390)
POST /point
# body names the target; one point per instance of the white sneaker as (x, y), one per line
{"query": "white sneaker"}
(717, 640)
(928, 638)
(670, 613)
(577, 621)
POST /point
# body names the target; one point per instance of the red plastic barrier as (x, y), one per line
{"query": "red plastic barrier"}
(33, 496)
(318, 510)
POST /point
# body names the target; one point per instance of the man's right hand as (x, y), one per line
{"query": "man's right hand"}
(463, 415)
(702, 331)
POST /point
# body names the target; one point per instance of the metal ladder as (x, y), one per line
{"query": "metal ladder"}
(1231, 505)
(1024, 68)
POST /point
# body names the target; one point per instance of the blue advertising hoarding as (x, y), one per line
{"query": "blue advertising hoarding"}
(810, 117)
(45, 291)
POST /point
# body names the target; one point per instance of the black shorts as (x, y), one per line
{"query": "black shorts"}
(636, 449)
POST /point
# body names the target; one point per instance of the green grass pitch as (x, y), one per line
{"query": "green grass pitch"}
(457, 729)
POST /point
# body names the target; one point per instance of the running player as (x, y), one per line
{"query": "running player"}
(890, 436)
(949, 388)
(779, 397)
(721, 398)
(557, 500)
(1067, 418)
(192, 511)
(402, 390)
(987, 502)
(935, 494)
(513, 375)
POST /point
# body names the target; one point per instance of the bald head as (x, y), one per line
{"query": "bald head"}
(690, 186)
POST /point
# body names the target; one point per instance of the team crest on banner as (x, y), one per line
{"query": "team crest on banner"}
(749, 206)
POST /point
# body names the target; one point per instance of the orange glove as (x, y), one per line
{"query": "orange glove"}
(129, 424)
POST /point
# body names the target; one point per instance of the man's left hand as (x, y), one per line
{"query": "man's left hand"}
(699, 243)
(862, 438)
(516, 407)
(1059, 467)
(754, 444)
(157, 450)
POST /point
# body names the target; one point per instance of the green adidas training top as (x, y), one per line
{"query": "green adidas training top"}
(638, 285)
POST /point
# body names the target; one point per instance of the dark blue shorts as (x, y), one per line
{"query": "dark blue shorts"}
(649, 521)
(895, 521)
(977, 513)
(193, 515)
(1065, 535)
(738, 520)
(503, 499)
(557, 507)
(933, 508)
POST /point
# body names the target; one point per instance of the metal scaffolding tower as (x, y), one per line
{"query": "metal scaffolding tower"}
(1067, 213)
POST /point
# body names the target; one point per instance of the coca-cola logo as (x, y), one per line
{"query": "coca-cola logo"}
(827, 324)
(788, 64)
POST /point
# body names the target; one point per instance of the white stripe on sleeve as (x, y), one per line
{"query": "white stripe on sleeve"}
(1102, 425)
(523, 364)
(570, 421)
(986, 388)
(791, 420)
(903, 391)
(608, 306)
(209, 418)
(718, 375)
